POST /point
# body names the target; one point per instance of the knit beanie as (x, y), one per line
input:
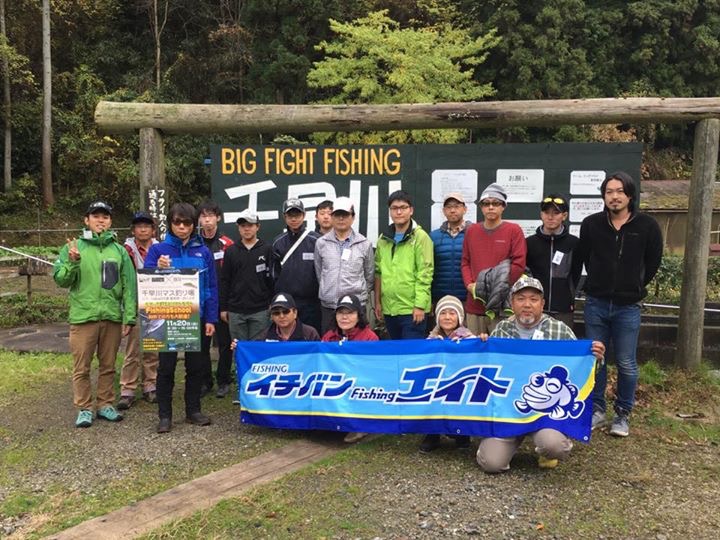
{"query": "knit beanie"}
(450, 302)
(494, 191)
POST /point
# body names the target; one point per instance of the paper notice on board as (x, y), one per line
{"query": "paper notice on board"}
(529, 226)
(446, 181)
(582, 208)
(586, 182)
(522, 185)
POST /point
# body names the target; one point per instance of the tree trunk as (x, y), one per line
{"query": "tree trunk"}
(47, 189)
(7, 155)
(177, 118)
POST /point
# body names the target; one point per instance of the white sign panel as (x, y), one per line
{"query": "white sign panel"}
(529, 226)
(575, 230)
(586, 182)
(446, 181)
(522, 185)
(582, 208)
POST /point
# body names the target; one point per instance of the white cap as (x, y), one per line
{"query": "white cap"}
(343, 204)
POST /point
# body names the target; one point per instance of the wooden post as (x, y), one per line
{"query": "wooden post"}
(697, 243)
(152, 162)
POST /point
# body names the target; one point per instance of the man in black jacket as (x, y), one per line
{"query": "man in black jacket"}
(622, 250)
(549, 258)
(294, 263)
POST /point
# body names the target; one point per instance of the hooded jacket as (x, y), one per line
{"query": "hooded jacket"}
(619, 263)
(245, 282)
(356, 334)
(447, 278)
(194, 254)
(340, 272)
(405, 269)
(102, 283)
(554, 271)
(297, 275)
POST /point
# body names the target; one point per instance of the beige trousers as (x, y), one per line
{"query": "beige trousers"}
(480, 324)
(494, 453)
(85, 339)
(134, 361)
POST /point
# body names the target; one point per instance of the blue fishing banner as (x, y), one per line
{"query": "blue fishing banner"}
(498, 388)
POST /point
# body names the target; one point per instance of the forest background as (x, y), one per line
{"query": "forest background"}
(330, 51)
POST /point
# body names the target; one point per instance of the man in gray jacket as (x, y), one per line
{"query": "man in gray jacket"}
(344, 262)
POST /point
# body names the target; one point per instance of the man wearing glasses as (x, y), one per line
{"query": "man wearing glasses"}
(491, 244)
(404, 264)
(549, 258)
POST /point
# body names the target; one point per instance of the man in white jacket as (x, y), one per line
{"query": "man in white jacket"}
(344, 262)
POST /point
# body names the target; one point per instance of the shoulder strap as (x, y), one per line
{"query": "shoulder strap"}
(294, 246)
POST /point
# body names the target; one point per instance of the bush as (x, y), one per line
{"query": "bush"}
(665, 288)
(44, 309)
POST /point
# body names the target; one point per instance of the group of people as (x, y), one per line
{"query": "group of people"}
(461, 281)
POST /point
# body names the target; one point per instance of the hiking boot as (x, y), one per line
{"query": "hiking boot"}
(109, 413)
(164, 425)
(198, 419)
(222, 390)
(150, 397)
(354, 436)
(620, 426)
(462, 442)
(547, 463)
(205, 390)
(429, 443)
(125, 402)
(598, 419)
(84, 418)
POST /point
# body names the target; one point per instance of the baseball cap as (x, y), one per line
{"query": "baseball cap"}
(555, 200)
(343, 204)
(293, 204)
(454, 195)
(248, 216)
(494, 191)
(99, 206)
(142, 217)
(282, 300)
(527, 282)
(349, 301)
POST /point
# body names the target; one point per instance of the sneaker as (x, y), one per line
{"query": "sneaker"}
(198, 419)
(125, 402)
(547, 463)
(84, 418)
(429, 443)
(150, 397)
(462, 442)
(354, 436)
(205, 390)
(164, 425)
(598, 419)
(620, 426)
(222, 390)
(109, 413)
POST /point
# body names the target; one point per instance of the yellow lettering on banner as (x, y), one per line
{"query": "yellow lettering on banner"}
(289, 161)
(238, 160)
(361, 161)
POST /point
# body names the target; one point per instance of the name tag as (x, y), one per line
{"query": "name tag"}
(308, 256)
(558, 257)
(87, 235)
(538, 334)
(345, 254)
(260, 267)
(219, 255)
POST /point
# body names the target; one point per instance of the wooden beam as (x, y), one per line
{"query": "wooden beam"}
(178, 118)
(697, 243)
(152, 162)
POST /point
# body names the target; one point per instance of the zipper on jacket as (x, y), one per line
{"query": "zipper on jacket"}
(550, 280)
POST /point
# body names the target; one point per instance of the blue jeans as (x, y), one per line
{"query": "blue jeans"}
(619, 325)
(403, 327)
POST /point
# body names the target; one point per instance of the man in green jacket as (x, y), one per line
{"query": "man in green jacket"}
(103, 304)
(404, 264)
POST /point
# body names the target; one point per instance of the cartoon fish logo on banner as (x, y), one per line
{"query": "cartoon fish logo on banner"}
(551, 393)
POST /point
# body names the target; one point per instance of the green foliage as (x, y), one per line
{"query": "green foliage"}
(666, 285)
(373, 60)
(43, 309)
(651, 373)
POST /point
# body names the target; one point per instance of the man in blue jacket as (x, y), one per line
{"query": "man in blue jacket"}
(621, 249)
(294, 263)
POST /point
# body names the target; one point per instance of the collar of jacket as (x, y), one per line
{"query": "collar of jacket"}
(102, 239)
(299, 231)
(609, 221)
(444, 227)
(390, 234)
(563, 233)
(194, 241)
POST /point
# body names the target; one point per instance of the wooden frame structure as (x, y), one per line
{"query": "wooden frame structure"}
(153, 120)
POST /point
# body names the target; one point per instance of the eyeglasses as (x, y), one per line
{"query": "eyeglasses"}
(402, 208)
(556, 200)
(454, 206)
(277, 312)
(186, 222)
(487, 204)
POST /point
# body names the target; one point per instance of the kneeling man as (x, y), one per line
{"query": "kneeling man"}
(529, 322)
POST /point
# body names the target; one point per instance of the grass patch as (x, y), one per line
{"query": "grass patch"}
(21, 503)
(651, 373)
(43, 309)
(27, 374)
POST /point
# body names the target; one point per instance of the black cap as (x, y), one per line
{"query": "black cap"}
(349, 301)
(142, 217)
(99, 206)
(293, 204)
(555, 200)
(282, 300)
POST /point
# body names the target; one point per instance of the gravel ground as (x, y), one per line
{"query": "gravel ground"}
(657, 484)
